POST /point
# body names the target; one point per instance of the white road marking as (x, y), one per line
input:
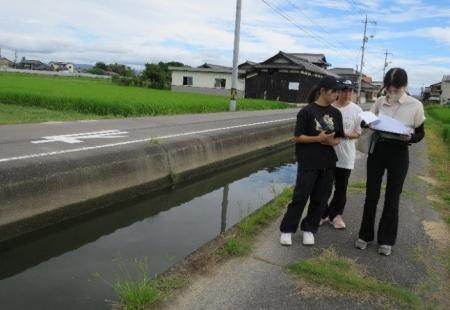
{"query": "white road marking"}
(137, 141)
(79, 137)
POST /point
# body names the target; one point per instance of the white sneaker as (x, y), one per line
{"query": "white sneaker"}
(338, 222)
(286, 239)
(308, 238)
(324, 220)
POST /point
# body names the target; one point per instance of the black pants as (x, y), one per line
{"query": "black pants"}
(395, 159)
(337, 204)
(314, 184)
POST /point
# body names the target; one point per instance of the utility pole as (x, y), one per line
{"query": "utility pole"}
(365, 40)
(15, 58)
(386, 63)
(234, 78)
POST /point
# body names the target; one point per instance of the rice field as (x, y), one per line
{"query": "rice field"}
(100, 97)
(441, 115)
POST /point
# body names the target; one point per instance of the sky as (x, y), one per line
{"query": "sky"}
(416, 33)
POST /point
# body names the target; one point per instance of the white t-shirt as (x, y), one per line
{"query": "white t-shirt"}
(346, 150)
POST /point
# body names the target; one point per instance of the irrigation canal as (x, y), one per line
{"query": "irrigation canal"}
(56, 269)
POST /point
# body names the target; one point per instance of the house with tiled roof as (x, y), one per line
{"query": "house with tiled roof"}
(369, 89)
(5, 63)
(286, 77)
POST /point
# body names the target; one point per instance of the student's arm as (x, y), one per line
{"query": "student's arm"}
(419, 131)
(321, 138)
(301, 130)
(356, 133)
(418, 135)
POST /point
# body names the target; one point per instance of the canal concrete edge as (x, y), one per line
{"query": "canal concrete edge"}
(41, 192)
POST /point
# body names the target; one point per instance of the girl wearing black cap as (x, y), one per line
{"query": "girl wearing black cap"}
(318, 128)
(390, 154)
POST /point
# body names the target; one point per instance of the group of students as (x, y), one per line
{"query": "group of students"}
(325, 134)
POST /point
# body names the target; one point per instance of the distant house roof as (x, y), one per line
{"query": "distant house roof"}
(295, 62)
(206, 68)
(248, 62)
(312, 58)
(344, 71)
(5, 60)
(31, 62)
(436, 84)
(59, 63)
(212, 66)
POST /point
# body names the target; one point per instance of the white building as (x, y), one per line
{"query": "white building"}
(206, 79)
(445, 88)
(62, 66)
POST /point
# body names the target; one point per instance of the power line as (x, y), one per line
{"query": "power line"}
(295, 6)
(355, 6)
(312, 21)
(314, 36)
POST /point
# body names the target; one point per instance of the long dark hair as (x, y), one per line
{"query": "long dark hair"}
(314, 94)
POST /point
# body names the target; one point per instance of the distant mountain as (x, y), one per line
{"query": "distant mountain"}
(83, 66)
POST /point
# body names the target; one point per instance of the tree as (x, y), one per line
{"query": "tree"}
(159, 75)
(101, 66)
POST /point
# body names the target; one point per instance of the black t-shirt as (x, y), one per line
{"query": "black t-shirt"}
(311, 120)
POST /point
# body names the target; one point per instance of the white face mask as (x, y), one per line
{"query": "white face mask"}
(395, 97)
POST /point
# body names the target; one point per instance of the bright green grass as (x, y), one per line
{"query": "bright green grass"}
(239, 244)
(439, 157)
(440, 113)
(15, 114)
(101, 97)
(137, 289)
(345, 275)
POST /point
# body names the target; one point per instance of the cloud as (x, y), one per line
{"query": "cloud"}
(200, 31)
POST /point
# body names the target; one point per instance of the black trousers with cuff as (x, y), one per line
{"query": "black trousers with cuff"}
(337, 204)
(312, 184)
(393, 158)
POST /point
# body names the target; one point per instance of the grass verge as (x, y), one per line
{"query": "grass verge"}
(16, 114)
(345, 275)
(137, 289)
(238, 243)
(439, 157)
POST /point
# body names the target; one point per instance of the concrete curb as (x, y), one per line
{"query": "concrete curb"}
(40, 192)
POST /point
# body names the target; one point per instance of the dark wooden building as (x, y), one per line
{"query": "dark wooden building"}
(32, 65)
(286, 77)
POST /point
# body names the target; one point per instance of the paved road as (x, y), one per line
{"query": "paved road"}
(21, 142)
(25, 141)
(258, 281)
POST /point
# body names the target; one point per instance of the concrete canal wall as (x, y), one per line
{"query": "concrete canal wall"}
(41, 192)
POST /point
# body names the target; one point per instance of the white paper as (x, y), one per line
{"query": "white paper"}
(389, 124)
(368, 117)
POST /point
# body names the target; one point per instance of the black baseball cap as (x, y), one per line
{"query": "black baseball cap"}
(329, 82)
(346, 84)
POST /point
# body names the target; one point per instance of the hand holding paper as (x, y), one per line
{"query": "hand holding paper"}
(385, 123)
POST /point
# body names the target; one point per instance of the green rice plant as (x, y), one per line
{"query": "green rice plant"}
(102, 97)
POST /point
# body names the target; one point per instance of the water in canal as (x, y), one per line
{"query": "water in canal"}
(57, 269)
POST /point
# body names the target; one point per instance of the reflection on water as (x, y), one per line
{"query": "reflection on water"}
(56, 268)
